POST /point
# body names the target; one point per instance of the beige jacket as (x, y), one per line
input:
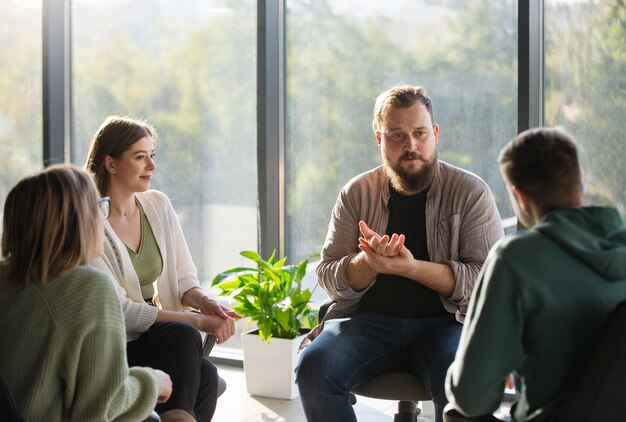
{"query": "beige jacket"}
(462, 223)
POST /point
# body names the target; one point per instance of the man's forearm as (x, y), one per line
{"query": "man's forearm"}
(367, 264)
(438, 277)
(359, 274)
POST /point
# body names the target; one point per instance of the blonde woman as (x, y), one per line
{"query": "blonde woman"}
(62, 352)
(146, 253)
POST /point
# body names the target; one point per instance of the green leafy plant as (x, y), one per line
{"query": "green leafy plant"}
(270, 294)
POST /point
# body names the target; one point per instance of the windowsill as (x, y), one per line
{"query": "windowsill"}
(509, 225)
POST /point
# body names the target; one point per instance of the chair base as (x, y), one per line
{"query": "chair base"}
(407, 412)
(402, 387)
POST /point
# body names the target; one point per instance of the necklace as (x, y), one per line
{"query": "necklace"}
(124, 213)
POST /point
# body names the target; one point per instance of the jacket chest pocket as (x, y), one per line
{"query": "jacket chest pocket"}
(448, 238)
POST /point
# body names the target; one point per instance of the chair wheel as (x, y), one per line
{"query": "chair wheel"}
(352, 399)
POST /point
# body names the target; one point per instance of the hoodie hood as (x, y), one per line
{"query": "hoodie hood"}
(595, 235)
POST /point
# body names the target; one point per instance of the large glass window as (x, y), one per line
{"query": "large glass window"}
(189, 68)
(585, 80)
(342, 53)
(21, 150)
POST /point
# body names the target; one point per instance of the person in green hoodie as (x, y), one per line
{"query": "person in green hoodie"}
(543, 294)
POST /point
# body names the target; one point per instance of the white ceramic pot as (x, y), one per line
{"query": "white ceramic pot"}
(269, 367)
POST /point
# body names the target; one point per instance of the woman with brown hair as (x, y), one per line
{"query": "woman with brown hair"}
(63, 347)
(146, 253)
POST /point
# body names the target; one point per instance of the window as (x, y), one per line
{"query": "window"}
(189, 68)
(21, 140)
(587, 96)
(342, 54)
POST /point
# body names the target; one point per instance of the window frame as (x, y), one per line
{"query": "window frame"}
(271, 98)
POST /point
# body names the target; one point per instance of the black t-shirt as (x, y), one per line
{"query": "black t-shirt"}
(397, 295)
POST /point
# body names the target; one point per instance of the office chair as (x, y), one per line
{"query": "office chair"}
(403, 387)
(8, 407)
(598, 395)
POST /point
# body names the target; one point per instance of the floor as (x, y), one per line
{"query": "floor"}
(235, 405)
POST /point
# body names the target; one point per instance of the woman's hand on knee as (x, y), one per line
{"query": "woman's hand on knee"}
(222, 328)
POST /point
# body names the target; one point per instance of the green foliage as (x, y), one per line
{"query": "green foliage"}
(341, 55)
(587, 96)
(192, 73)
(270, 294)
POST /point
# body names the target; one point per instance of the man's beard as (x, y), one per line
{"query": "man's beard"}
(403, 181)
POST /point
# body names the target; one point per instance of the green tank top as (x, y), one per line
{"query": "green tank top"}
(147, 261)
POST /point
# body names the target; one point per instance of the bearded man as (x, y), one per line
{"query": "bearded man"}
(405, 244)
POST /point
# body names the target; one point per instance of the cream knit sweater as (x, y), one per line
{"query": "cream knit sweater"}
(179, 273)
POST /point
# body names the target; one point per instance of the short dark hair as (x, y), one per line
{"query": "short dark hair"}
(543, 163)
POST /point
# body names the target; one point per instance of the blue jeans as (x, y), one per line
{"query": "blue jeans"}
(352, 350)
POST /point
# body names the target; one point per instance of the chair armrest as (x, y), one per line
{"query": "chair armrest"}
(323, 309)
(207, 345)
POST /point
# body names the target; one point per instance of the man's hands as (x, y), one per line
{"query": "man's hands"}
(388, 255)
(377, 251)
(166, 391)
(381, 245)
(385, 254)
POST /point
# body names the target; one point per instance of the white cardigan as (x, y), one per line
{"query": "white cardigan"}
(179, 273)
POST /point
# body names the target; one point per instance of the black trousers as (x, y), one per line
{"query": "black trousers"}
(176, 348)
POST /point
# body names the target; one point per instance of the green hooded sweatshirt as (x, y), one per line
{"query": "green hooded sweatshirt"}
(539, 305)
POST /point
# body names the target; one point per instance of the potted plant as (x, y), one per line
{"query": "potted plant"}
(272, 296)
